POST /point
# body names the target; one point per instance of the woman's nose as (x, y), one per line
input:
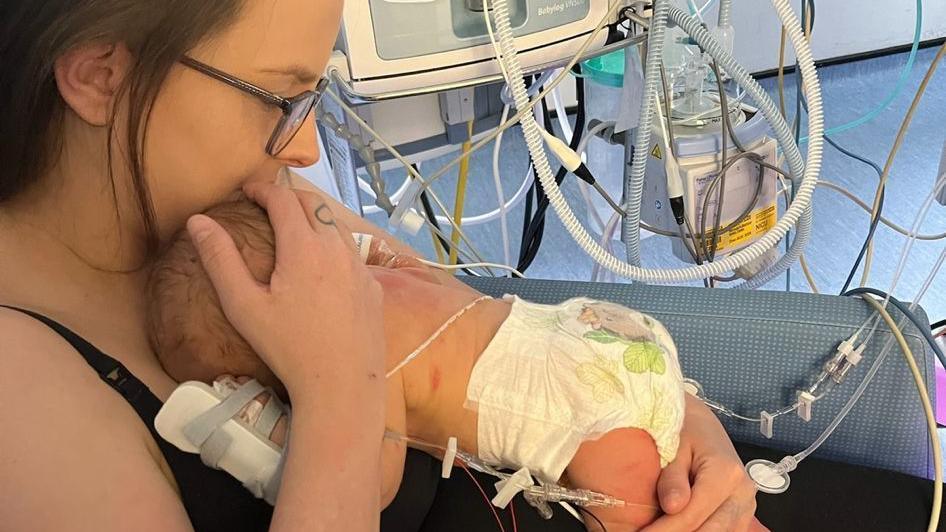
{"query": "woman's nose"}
(303, 150)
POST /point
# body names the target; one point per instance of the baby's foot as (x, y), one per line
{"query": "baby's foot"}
(251, 412)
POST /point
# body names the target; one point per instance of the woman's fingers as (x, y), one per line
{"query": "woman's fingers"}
(720, 499)
(321, 217)
(287, 217)
(224, 264)
(673, 486)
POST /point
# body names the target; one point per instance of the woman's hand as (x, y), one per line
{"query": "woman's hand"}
(319, 320)
(318, 326)
(722, 496)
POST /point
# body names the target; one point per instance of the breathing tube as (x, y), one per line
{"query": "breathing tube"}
(805, 186)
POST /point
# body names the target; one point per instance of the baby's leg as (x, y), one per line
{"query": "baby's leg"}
(624, 464)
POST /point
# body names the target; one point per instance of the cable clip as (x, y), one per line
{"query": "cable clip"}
(508, 488)
(767, 423)
(448, 458)
(805, 402)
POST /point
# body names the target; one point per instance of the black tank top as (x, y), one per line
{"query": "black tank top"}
(214, 500)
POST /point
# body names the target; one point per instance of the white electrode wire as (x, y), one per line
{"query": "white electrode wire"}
(535, 101)
(927, 411)
(884, 220)
(409, 167)
(875, 367)
(908, 245)
(561, 115)
(534, 141)
(492, 38)
(607, 233)
(449, 267)
(430, 339)
(567, 132)
(500, 195)
(583, 187)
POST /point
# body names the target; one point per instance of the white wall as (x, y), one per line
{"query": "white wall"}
(842, 27)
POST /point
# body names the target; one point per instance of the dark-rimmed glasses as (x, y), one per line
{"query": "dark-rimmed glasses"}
(295, 110)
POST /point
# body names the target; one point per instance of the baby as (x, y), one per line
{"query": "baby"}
(585, 393)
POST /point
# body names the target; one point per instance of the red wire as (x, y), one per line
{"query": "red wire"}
(486, 498)
(512, 513)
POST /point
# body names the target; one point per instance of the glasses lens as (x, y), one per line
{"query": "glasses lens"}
(292, 122)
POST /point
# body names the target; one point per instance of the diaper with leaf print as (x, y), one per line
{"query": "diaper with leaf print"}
(557, 375)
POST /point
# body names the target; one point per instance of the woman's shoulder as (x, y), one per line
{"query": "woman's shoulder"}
(70, 444)
(48, 381)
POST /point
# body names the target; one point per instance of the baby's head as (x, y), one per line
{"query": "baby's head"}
(187, 327)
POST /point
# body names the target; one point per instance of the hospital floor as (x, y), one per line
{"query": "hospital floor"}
(849, 90)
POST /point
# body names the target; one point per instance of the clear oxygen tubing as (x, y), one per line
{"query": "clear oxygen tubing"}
(898, 88)
(634, 187)
(789, 463)
(769, 110)
(800, 209)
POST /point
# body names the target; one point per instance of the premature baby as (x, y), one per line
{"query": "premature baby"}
(585, 393)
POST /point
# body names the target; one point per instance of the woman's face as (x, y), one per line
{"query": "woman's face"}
(206, 139)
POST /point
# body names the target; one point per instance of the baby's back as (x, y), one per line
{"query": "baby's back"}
(435, 383)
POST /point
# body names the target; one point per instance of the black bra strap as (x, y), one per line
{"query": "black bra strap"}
(111, 371)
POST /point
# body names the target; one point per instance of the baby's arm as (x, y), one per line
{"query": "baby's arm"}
(624, 464)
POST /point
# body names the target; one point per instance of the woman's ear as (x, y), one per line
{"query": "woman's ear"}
(89, 78)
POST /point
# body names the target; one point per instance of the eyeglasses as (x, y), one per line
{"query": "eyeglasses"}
(295, 110)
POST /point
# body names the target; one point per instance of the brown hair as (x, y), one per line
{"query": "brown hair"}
(187, 327)
(33, 34)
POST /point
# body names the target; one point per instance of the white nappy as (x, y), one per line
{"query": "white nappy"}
(557, 375)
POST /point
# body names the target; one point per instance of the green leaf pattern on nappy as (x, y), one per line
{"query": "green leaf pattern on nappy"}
(600, 376)
(602, 337)
(639, 357)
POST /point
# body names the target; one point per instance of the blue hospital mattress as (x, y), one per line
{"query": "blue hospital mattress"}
(751, 350)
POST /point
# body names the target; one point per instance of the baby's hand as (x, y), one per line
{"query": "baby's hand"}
(379, 253)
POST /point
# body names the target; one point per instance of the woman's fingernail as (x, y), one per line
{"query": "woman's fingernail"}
(199, 226)
(672, 498)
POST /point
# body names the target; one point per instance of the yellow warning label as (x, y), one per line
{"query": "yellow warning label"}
(754, 226)
(656, 151)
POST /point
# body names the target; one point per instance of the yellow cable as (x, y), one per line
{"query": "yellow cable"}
(893, 153)
(461, 194)
(927, 409)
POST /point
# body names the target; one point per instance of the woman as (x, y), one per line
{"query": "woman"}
(114, 133)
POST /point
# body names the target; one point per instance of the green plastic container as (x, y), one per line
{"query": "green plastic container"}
(606, 70)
